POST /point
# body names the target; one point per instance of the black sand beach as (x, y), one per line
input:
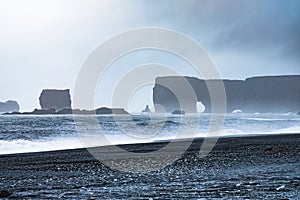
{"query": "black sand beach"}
(257, 167)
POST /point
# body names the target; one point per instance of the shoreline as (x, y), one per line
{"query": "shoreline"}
(263, 167)
(159, 142)
(261, 142)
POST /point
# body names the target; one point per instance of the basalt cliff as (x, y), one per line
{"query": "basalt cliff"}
(55, 99)
(9, 106)
(268, 94)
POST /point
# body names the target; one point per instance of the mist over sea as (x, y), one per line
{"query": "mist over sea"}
(19, 134)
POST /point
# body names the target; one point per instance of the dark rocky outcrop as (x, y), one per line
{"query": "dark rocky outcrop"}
(146, 110)
(52, 111)
(4, 193)
(9, 106)
(277, 94)
(57, 99)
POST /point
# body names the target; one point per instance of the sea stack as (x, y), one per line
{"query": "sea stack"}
(146, 110)
(9, 106)
(57, 99)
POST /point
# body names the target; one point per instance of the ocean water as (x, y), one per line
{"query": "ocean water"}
(21, 133)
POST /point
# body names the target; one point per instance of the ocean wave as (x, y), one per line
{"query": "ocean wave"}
(61, 143)
(236, 132)
(19, 136)
(240, 133)
(25, 146)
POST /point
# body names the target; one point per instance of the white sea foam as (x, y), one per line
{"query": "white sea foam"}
(289, 113)
(52, 144)
(262, 119)
(237, 111)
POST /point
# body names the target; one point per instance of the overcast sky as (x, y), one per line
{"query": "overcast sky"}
(43, 43)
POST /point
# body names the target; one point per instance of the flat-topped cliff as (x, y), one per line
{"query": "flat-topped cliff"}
(277, 94)
(57, 99)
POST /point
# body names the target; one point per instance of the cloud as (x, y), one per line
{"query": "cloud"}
(263, 27)
(44, 43)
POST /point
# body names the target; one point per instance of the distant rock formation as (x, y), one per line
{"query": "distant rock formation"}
(105, 111)
(277, 94)
(9, 106)
(57, 99)
(146, 110)
(66, 111)
(178, 112)
(50, 111)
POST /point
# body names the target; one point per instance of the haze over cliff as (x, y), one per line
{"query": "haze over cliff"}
(277, 94)
(9, 106)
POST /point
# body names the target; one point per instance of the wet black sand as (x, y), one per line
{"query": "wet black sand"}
(260, 167)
